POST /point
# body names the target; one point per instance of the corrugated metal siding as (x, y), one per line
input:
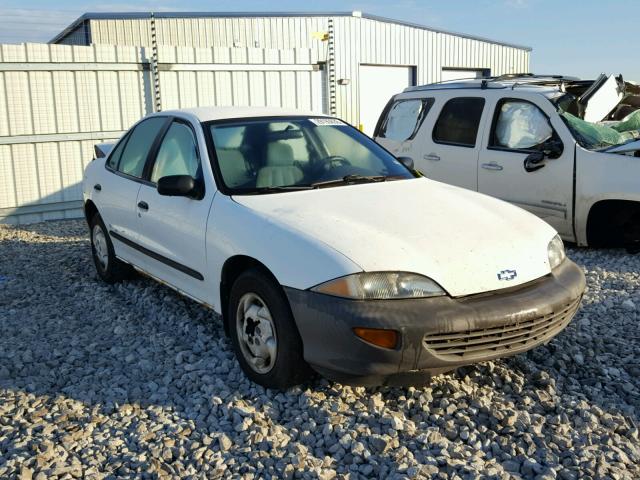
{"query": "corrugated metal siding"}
(365, 41)
(78, 36)
(50, 119)
(357, 41)
(239, 76)
(57, 101)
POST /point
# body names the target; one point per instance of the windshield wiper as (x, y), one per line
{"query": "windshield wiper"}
(282, 188)
(351, 179)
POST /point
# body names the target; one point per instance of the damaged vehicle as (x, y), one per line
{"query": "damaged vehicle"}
(321, 250)
(565, 149)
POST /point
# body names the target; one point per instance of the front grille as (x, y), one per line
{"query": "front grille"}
(499, 340)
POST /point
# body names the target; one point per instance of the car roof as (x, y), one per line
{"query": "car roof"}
(547, 85)
(207, 114)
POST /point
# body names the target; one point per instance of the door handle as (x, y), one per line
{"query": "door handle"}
(97, 187)
(433, 157)
(492, 166)
(143, 205)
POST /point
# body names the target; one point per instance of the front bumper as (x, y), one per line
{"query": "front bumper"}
(437, 334)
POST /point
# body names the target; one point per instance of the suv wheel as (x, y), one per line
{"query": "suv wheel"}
(109, 268)
(264, 334)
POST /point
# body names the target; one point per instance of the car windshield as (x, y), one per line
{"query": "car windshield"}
(269, 155)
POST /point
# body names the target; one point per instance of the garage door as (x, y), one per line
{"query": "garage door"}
(378, 83)
(453, 74)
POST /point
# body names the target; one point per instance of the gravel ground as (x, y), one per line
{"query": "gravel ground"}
(132, 380)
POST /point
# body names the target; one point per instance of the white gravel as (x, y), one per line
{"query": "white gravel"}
(135, 381)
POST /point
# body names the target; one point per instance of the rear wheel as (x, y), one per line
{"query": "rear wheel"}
(264, 334)
(109, 268)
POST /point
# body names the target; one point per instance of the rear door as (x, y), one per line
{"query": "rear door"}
(522, 124)
(172, 229)
(400, 123)
(449, 139)
(118, 188)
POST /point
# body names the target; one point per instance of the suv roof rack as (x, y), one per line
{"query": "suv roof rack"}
(501, 81)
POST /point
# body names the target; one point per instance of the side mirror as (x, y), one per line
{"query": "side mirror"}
(533, 161)
(179, 186)
(407, 162)
(552, 148)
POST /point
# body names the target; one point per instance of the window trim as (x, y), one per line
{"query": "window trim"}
(155, 149)
(143, 179)
(457, 144)
(427, 105)
(494, 121)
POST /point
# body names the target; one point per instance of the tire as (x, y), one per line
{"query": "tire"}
(264, 334)
(109, 268)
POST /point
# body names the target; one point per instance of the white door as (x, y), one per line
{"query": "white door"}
(378, 83)
(520, 127)
(118, 188)
(448, 143)
(453, 74)
(172, 228)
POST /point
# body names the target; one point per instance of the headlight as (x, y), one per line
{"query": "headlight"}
(555, 250)
(381, 286)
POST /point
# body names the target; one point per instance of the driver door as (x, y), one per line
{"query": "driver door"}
(519, 127)
(172, 229)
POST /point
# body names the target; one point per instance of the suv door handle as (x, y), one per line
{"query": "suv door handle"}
(143, 205)
(433, 157)
(492, 166)
(97, 187)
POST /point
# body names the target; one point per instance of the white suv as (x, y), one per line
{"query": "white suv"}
(562, 148)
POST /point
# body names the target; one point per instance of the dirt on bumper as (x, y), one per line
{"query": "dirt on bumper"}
(437, 334)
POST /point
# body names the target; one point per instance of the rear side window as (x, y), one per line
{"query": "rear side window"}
(138, 145)
(114, 157)
(459, 121)
(404, 118)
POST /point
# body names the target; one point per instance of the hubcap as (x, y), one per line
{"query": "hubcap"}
(100, 249)
(256, 333)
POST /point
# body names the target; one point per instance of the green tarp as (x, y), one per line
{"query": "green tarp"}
(594, 135)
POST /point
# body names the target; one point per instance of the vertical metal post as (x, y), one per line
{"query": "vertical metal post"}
(331, 73)
(157, 99)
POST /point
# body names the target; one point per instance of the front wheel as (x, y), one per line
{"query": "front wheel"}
(264, 334)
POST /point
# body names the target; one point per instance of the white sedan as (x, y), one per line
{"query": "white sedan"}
(321, 250)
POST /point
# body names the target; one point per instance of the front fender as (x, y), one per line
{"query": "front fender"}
(602, 176)
(296, 259)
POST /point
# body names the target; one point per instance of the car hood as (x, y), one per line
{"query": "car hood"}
(461, 239)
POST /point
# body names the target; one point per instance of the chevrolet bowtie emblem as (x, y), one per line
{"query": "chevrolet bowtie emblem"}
(507, 275)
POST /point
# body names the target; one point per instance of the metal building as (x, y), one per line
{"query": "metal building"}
(365, 58)
(106, 71)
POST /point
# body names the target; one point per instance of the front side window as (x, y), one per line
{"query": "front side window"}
(404, 118)
(178, 153)
(520, 125)
(263, 154)
(459, 121)
(138, 145)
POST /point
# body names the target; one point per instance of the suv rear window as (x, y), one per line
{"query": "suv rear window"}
(404, 118)
(459, 121)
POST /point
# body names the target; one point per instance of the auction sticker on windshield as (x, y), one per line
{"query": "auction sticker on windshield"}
(326, 122)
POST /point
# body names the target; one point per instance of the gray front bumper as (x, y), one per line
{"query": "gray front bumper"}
(437, 334)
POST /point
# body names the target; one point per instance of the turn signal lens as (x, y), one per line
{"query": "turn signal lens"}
(378, 336)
